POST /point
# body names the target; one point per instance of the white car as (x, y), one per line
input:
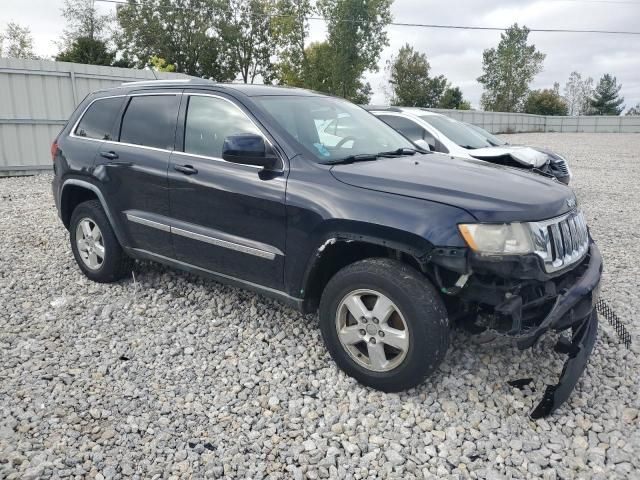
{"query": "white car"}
(439, 133)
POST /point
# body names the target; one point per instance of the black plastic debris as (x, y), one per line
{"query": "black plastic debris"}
(520, 383)
(607, 312)
(578, 351)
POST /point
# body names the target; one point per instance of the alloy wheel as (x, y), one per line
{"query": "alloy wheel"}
(90, 243)
(372, 330)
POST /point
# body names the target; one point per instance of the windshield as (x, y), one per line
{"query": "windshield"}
(457, 132)
(330, 128)
(491, 138)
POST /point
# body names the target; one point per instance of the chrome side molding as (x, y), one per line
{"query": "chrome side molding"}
(218, 242)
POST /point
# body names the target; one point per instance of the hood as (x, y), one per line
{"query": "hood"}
(489, 192)
(549, 153)
(527, 156)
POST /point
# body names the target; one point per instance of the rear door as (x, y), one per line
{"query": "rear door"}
(227, 218)
(133, 169)
(93, 128)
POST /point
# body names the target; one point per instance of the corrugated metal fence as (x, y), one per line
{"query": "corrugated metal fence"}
(37, 97)
(497, 122)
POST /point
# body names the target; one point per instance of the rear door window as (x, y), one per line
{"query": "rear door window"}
(150, 120)
(98, 120)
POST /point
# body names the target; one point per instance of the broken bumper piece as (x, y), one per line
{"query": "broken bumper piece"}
(575, 309)
(579, 351)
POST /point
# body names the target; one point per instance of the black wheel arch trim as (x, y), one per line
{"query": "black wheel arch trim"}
(93, 188)
(329, 239)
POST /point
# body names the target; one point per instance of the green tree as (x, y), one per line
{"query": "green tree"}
(634, 110)
(546, 102)
(83, 20)
(606, 98)
(318, 72)
(317, 69)
(453, 99)
(88, 51)
(248, 38)
(17, 42)
(411, 85)
(161, 65)
(85, 36)
(508, 70)
(179, 31)
(356, 36)
(290, 29)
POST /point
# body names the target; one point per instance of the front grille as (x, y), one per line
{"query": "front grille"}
(561, 166)
(561, 241)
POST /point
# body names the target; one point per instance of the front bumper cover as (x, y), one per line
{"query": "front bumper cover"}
(575, 309)
(579, 350)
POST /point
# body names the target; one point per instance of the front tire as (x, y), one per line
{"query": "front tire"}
(384, 324)
(95, 246)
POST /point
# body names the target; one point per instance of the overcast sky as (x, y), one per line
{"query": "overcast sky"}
(457, 53)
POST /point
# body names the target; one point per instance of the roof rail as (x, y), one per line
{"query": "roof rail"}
(386, 108)
(153, 82)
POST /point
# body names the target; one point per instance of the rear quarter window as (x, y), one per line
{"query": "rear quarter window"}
(98, 121)
(150, 120)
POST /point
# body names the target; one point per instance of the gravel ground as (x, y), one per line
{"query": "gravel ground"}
(174, 376)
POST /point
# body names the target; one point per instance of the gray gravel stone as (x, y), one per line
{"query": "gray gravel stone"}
(173, 376)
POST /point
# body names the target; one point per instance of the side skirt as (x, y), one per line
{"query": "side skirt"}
(296, 303)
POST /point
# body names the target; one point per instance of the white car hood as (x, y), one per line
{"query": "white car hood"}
(524, 155)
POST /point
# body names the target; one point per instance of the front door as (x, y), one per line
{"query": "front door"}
(227, 218)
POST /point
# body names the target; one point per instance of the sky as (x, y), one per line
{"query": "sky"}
(457, 54)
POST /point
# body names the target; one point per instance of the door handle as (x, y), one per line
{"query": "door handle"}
(109, 155)
(186, 169)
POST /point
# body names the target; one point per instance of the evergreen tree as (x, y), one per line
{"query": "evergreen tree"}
(606, 98)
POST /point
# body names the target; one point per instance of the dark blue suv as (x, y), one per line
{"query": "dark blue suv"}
(314, 201)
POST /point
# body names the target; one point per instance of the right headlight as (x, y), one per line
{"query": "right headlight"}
(498, 239)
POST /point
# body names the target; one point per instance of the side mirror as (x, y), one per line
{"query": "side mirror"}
(247, 149)
(424, 145)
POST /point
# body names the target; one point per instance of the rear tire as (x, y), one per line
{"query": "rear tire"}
(95, 246)
(400, 349)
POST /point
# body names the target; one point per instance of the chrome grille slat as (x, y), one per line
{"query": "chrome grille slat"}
(574, 235)
(557, 241)
(561, 241)
(562, 166)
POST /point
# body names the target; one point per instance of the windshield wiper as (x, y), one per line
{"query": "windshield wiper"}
(399, 151)
(363, 157)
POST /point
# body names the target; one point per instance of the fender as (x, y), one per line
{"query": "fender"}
(90, 186)
(416, 248)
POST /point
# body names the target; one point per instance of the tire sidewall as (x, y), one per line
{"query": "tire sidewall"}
(425, 350)
(94, 212)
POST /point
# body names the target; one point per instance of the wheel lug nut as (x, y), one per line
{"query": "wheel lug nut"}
(375, 320)
(381, 333)
(362, 332)
(372, 340)
(364, 320)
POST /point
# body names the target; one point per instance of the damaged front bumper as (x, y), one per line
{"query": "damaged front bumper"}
(563, 303)
(574, 308)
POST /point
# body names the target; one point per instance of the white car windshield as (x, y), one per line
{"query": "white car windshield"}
(457, 132)
(491, 138)
(332, 129)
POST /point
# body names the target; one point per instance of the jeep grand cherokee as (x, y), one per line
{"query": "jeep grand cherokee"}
(392, 245)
